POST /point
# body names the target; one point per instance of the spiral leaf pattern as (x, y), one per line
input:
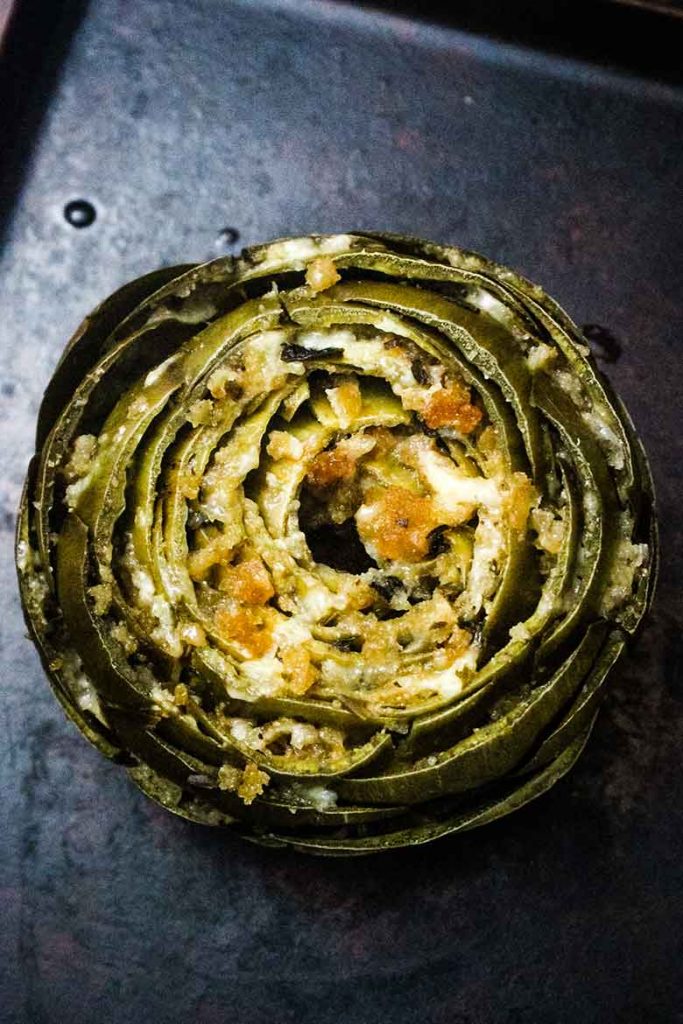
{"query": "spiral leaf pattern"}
(335, 543)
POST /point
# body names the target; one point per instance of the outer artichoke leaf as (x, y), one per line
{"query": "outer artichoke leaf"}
(483, 813)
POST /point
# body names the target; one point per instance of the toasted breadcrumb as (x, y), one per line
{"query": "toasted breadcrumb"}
(248, 783)
(519, 500)
(550, 530)
(282, 445)
(300, 671)
(248, 582)
(396, 523)
(346, 401)
(451, 407)
(247, 627)
(321, 274)
(339, 463)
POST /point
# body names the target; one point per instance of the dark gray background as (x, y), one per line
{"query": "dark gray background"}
(177, 120)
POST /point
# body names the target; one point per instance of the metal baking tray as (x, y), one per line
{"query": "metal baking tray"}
(140, 134)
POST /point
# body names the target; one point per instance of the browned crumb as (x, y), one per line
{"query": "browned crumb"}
(518, 502)
(550, 530)
(346, 400)
(456, 646)
(451, 407)
(321, 274)
(247, 627)
(300, 671)
(397, 523)
(282, 445)
(252, 783)
(338, 465)
(248, 782)
(248, 582)
(331, 466)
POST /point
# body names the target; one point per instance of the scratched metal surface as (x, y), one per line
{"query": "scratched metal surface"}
(176, 121)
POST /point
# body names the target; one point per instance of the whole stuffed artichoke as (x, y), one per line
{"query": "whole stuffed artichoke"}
(335, 543)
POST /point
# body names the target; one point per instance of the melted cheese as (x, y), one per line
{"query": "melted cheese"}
(452, 487)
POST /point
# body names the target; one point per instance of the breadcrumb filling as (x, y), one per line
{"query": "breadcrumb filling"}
(338, 523)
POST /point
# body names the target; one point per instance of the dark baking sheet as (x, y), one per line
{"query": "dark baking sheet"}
(184, 124)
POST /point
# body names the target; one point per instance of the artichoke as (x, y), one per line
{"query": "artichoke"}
(335, 543)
